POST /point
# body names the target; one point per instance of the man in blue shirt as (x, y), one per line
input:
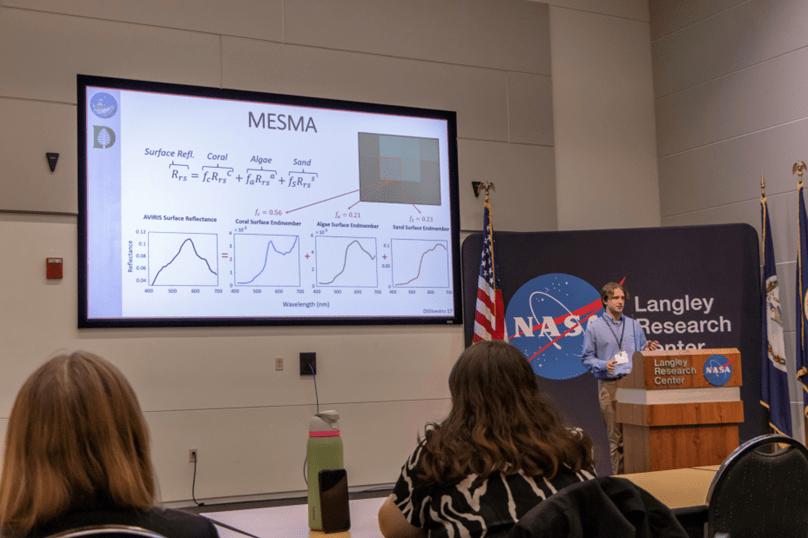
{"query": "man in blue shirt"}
(609, 343)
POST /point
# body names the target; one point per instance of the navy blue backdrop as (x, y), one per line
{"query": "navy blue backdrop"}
(690, 286)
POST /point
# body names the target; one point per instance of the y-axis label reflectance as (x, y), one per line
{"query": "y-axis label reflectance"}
(183, 259)
(267, 260)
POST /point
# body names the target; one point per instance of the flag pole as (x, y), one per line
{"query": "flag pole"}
(488, 186)
(763, 201)
(765, 210)
(798, 168)
(489, 315)
(774, 372)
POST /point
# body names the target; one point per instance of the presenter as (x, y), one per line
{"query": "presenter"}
(609, 343)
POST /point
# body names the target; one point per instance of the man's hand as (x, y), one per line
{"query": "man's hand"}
(651, 345)
(610, 366)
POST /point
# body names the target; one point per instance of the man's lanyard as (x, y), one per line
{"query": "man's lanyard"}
(620, 341)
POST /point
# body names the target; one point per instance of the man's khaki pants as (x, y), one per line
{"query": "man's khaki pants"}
(607, 394)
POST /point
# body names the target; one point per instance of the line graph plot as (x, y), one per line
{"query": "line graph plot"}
(266, 260)
(346, 261)
(183, 259)
(420, 263)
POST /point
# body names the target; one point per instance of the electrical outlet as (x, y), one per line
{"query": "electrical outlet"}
(192, 454)
(279, 363)
(308, 363)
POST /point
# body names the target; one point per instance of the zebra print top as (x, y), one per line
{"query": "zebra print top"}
(471, 508)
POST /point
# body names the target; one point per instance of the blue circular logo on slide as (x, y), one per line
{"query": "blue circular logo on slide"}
(718, 370)
(546, 319)
(103, 105)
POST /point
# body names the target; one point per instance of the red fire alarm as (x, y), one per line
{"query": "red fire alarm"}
(54, 268)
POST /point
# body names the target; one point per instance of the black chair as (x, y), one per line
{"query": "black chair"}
(107, 531)
(760, 490)
(607, 507)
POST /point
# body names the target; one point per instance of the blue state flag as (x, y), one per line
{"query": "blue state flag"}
(802, 320)
(774, 377)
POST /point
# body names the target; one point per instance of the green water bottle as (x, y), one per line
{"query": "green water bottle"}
(323, 451)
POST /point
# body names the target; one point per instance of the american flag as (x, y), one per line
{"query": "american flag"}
(489, 318)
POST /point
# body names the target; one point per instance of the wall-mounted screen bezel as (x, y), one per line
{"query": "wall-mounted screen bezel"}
(217, 207)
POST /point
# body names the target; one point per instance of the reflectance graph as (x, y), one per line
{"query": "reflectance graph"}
(420, 263)
(346, 261)
(183, 259)
(267, 260)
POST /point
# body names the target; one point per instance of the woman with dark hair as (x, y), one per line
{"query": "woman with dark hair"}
(77, 454)
(502, 449)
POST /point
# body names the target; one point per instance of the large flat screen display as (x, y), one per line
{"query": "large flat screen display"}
(203, 206)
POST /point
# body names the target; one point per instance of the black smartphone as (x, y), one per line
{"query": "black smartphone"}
(334, 509)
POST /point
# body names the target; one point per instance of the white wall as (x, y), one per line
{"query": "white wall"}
(216, 389)
(603, 109)
(729, 79)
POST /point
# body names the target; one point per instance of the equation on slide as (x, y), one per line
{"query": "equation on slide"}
(221, 173)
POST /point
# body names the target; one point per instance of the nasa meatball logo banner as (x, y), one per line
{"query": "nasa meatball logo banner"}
(690, 287)
(546, 319)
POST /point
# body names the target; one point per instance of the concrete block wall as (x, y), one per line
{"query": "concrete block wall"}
(729, 79)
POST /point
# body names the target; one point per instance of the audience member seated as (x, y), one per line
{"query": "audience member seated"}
(77, 453)
(502, 450)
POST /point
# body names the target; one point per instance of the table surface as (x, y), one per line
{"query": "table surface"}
(677, 488)
(292, 521)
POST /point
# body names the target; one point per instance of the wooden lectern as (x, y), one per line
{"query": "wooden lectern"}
(680, 408)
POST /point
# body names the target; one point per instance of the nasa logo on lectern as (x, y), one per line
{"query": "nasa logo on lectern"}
(546, 319)
(718, 370)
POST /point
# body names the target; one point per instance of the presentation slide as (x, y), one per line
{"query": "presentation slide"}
(204, 206)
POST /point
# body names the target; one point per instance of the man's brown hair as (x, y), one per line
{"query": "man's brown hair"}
(607, 292)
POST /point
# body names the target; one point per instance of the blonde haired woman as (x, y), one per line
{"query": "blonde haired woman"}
(77, 454)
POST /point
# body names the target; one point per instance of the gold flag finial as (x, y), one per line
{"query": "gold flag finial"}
(798, 168)
(762, 187)
(486, 185)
